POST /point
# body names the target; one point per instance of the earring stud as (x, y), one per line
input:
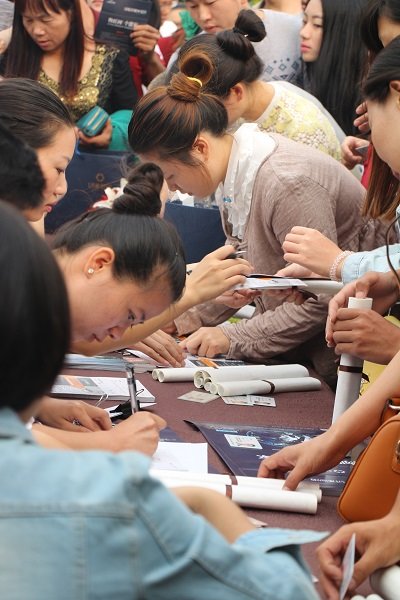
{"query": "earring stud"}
(90, 271)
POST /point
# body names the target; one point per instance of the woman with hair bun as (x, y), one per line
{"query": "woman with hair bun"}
(264, 184)
(274, 106)
(113, 261)
(95, 525)
(122, 267)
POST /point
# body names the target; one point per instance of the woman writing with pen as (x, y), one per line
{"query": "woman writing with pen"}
(121, 266)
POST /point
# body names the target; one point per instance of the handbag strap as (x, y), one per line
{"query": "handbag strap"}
(391, 409)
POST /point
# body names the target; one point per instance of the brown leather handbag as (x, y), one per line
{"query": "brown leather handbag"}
(374, 482)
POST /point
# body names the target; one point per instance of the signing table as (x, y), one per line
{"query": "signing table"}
(293, 410)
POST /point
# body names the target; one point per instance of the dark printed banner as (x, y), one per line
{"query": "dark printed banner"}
(242, 447)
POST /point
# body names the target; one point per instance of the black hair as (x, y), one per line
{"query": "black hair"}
(335, 77)
(141, 242)
(21, 179)
(34, 314)
(384, 70)
(369, 22)
(169, 118)
(141, 193)
(32, 112)
(232, 53)
(383, 190)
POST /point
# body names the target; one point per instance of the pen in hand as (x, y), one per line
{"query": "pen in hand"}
(236, 254)
(130, 375)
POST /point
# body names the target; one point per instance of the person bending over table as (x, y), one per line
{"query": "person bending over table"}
(57, 505)
(264, 184)
(49, 130)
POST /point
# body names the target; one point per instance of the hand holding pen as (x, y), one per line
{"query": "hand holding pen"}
(215, 274)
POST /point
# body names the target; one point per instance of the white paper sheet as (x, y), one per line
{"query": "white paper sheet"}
(181, 456)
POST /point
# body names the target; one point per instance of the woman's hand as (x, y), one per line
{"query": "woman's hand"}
(207, 341)
(139, 432)
(292, 271)
(237, 298)
(102, 140)
(382, 287)
(163, 348)
(310, 249)
(362, 121)
(377, 544)
(350, 158)
(73, 415)
(310, 457)
(214, 275)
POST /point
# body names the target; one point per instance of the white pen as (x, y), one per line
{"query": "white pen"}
(130, 375)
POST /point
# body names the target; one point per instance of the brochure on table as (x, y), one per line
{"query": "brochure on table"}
(242, 447)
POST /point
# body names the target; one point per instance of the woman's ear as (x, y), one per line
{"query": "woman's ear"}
(201, 148)
(235, 93)
(99, 260)
(395, 87)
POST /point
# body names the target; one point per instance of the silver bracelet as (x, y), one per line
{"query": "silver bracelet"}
(334, 266)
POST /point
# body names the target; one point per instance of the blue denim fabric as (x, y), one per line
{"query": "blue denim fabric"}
(359, 263)
(96, 526)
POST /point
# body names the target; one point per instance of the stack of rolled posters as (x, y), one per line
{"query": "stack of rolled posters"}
(350, 371)
(255, 492)
(255, 379)
(386, 582)
(178, 374)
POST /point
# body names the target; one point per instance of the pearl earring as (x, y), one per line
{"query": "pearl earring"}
(90, 271)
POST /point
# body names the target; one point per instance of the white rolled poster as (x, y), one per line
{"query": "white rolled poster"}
(238, 388)
(350, 371)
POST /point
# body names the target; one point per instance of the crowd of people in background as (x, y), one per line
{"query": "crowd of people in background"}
(285, 114)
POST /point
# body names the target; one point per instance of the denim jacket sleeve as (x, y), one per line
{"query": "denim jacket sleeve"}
(359, 263)
(185, 558)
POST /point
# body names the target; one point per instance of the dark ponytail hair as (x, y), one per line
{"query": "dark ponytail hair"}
(32, 112)
(383, 190)
(141, 242)
(168, 119)
(231, 52)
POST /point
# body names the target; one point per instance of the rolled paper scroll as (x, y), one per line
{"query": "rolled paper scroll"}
(171, 374)
(386, 582)
(248, 372)
(238, 388)
(350, 371)
(263, 483)
(256, 497)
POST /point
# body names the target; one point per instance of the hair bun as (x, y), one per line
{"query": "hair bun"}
(141, 194)
(237, 41)
(195, 71)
